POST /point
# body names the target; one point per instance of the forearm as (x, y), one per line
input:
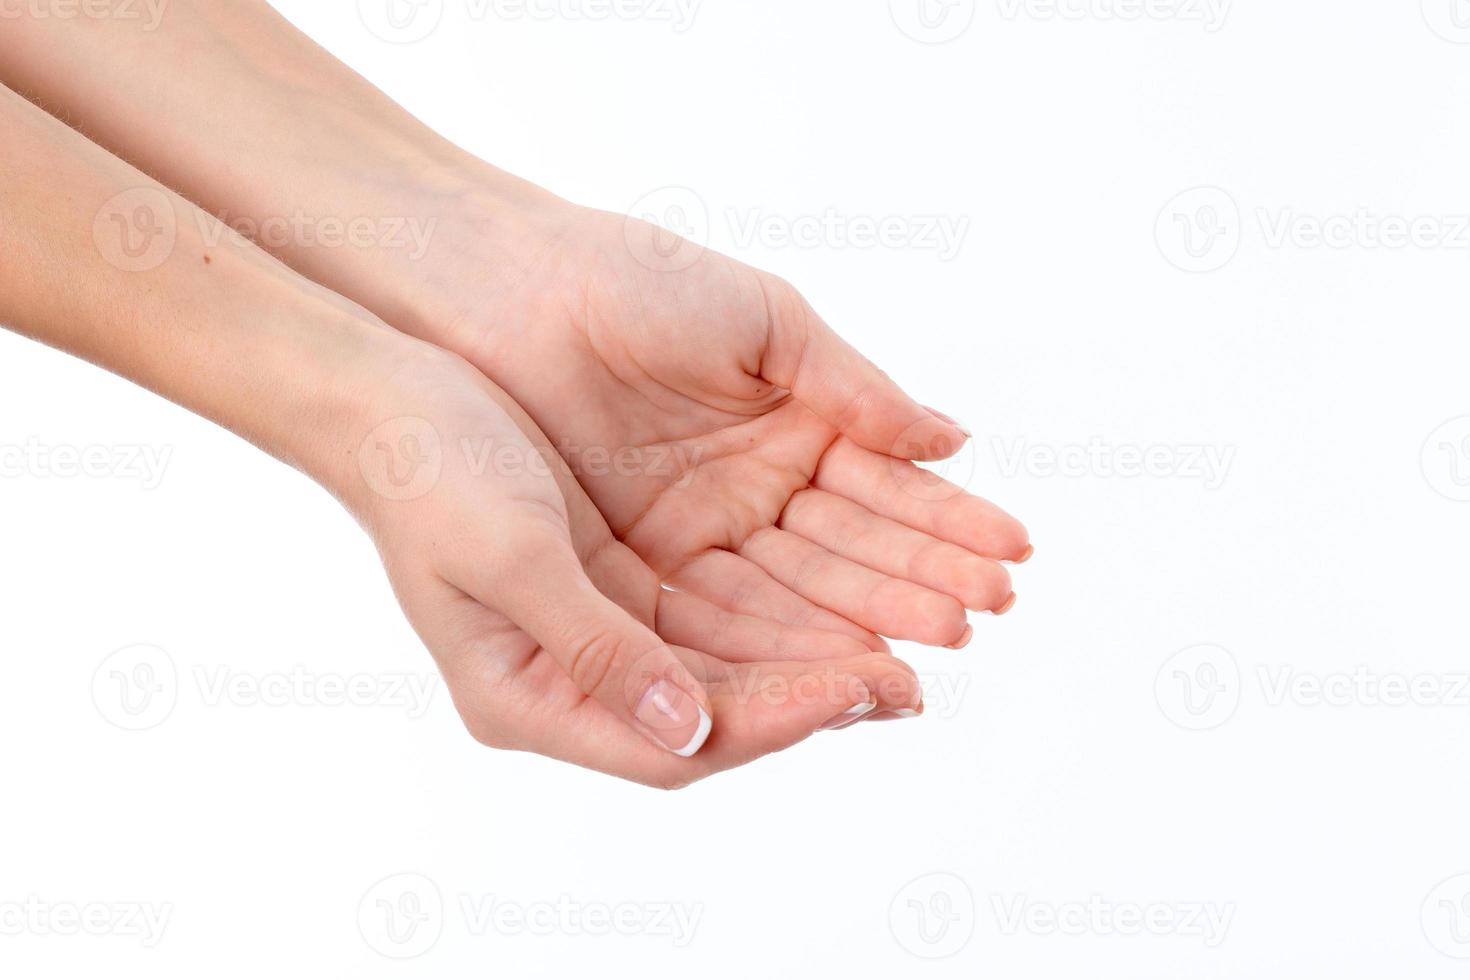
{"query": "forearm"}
(100, 261)
(235, 108)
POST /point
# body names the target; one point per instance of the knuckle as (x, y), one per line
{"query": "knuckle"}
(593, 662)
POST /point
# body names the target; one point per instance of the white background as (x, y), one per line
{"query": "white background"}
(1058, 763)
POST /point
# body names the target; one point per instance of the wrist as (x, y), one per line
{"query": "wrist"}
(474, 231)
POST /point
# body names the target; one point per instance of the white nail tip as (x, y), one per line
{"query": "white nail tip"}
(700, 734)
(906, 712)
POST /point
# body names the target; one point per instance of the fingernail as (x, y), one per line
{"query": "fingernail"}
(851, 714)
(954, 422)
(1025, 555)
(964, 638)
(676, 720)
(1007, 607)
(909, 712)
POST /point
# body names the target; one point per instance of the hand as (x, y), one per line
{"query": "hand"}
(783, 499)
(552, 636)
(730, 437)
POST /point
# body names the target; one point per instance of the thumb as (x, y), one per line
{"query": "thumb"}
(827, 375)
(608, 654)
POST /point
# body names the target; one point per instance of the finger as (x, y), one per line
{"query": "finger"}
(854, 532)
(763, 708)
(690, 621)
(913, 496)
(806, 357)
(737, 585)
(879, 602)
(538, 582)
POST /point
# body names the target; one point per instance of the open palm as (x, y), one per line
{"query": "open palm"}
(551, 635)
(733, 441)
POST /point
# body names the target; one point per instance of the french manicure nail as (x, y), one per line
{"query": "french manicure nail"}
(850, 715)
(676, 720)
(954, 422)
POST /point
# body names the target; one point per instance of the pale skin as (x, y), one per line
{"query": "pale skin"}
(785, 512)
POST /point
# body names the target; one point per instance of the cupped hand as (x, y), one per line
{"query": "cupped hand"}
(732, 440)
(554, 637)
